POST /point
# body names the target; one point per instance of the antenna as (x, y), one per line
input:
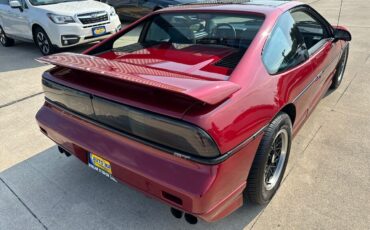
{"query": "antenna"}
(340, 11)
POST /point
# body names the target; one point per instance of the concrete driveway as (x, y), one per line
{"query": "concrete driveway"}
(326, 185)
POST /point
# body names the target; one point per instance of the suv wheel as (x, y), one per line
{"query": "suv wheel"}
(43, 42)
(4, 40)
(270, 161)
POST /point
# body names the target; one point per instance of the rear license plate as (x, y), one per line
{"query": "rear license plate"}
(101, 165)
(98, 31)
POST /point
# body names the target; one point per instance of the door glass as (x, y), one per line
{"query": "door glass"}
(312, 30)
(285, 48)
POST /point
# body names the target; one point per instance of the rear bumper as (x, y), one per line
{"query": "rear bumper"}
(210, 192)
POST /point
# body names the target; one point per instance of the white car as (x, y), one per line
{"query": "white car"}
(53, 24)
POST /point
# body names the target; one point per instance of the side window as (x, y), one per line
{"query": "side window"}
(129, 38)
(285, 47)
(4, 2)
(156, 31)
(169, 28)
(311, 29)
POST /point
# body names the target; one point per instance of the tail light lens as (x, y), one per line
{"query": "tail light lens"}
(167, 132)
(174, 135)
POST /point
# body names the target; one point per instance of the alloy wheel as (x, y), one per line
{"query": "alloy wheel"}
(43, 43)
(2, 36)
(276, 159)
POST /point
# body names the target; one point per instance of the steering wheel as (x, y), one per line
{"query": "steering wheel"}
(230, 34)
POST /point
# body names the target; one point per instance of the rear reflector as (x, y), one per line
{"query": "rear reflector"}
(172, 198)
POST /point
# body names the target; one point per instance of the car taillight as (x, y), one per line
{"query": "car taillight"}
(165, 132)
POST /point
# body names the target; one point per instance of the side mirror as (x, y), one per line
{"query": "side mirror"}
(341, 34)
(15, 4)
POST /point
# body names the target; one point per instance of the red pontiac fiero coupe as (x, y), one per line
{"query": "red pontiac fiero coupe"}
(196, 105)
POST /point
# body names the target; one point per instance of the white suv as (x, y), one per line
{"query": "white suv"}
(56, 23)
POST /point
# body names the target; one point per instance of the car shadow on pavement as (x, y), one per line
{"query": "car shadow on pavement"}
(64, 193)
(22, 55)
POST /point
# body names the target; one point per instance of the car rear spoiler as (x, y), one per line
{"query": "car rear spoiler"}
(206, 91)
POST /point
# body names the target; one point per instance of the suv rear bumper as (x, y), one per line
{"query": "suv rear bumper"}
(210, 192)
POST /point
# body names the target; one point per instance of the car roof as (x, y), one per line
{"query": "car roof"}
(253, 6)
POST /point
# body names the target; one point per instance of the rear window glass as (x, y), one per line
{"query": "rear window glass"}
(204, 28)
(194, 32)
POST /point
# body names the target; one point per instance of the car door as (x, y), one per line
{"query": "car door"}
(17, 20)
(323, 53)
(285, 57)
(133, 9)
(5, 17)
(146, 6)
(125, 8)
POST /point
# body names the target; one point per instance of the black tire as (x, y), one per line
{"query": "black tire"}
(341, 67)
(258, 190)
(5, 40)
(43, 42)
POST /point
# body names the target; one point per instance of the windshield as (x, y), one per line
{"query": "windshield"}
(48, 2)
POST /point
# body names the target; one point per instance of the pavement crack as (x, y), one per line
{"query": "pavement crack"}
(24, 204)
(19, 100)
(302, 152)
(345, 90)
(368, 57)
(259, 215)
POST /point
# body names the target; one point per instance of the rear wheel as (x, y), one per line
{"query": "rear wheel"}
(4, 40)
(338, 76)
(43, 42)
(270, 161)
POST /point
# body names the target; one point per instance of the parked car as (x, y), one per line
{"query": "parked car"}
(53, 24)
(130, 10)
(196, 105)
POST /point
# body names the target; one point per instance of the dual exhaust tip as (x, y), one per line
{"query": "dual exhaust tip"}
(61, 150)
(188, 217)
